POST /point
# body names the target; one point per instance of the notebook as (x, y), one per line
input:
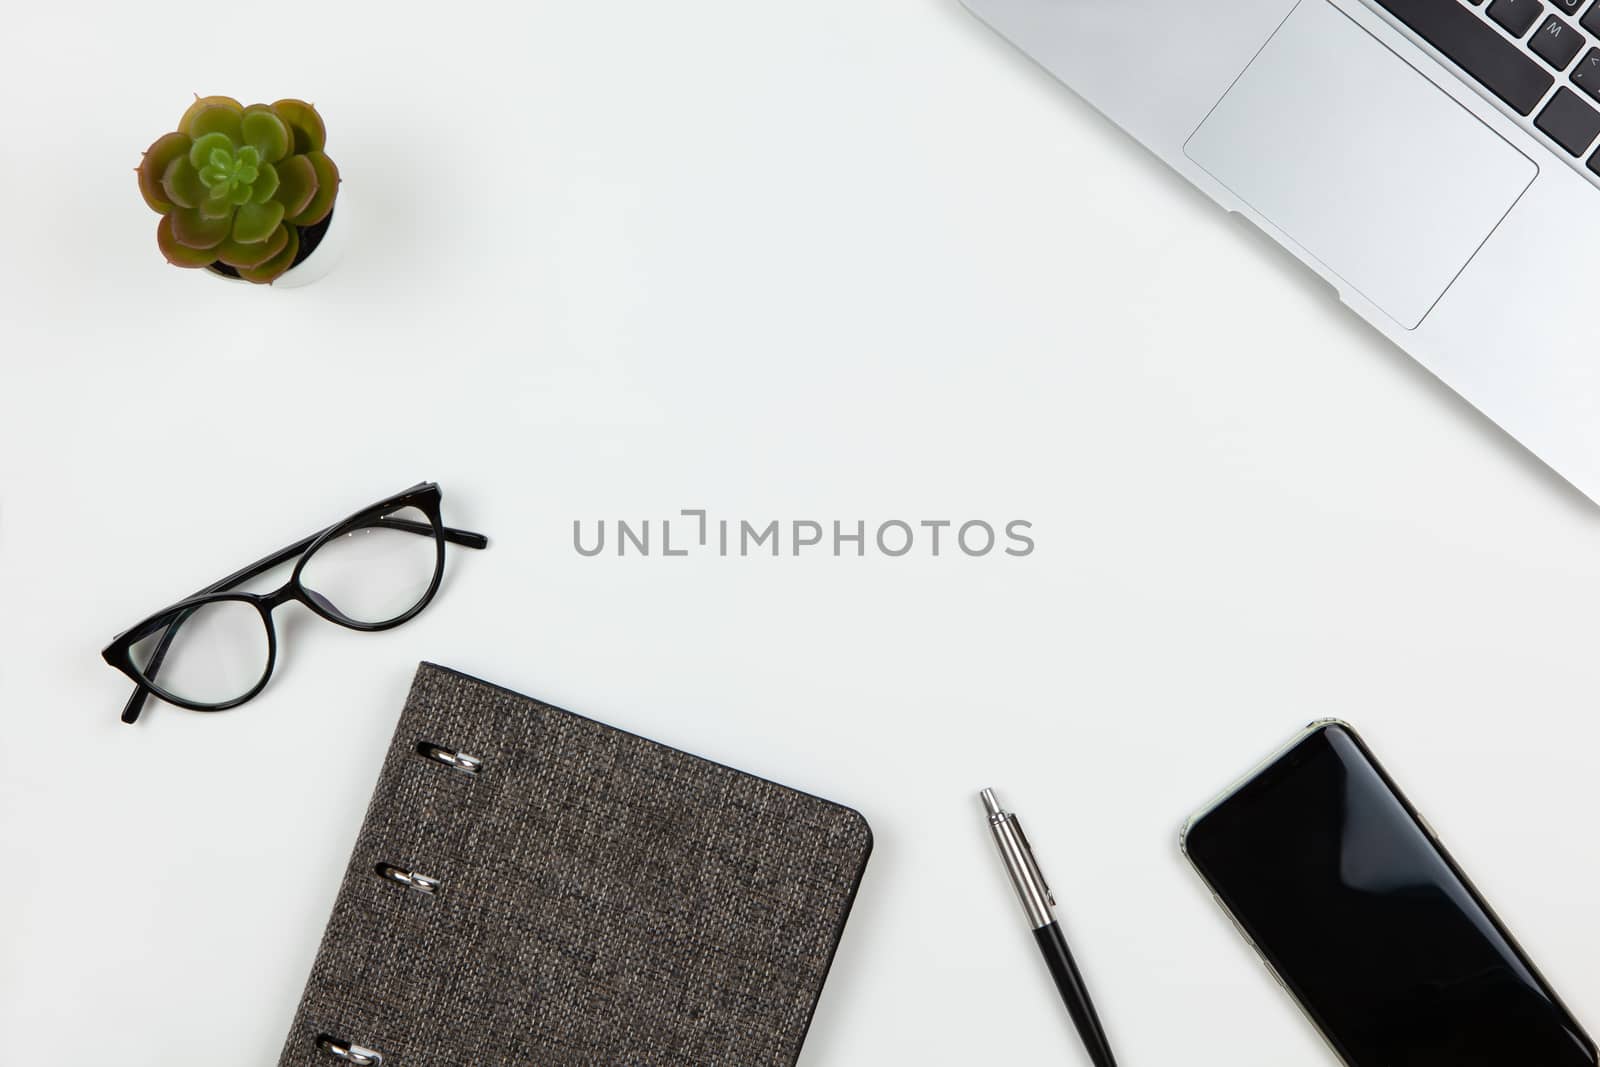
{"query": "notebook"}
(534, 887)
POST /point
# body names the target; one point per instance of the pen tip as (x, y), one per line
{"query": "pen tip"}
(990, 802)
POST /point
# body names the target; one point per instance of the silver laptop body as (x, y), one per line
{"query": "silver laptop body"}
(1429, 158)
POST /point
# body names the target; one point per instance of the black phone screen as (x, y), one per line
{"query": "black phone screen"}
(1370, 924)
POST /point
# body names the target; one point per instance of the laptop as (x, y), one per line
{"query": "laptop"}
(1436, 161)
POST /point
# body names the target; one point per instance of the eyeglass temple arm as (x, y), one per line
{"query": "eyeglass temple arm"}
(464, 538)
(135, 704)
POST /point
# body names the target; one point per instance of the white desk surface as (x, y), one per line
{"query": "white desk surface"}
(829, 260)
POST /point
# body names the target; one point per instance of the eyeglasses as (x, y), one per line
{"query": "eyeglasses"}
(216, 649)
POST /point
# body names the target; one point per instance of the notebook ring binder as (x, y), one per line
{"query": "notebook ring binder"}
(451, 757)
(361, 1057)
(410, 879)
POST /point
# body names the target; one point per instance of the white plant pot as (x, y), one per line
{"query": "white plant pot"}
(320, 263)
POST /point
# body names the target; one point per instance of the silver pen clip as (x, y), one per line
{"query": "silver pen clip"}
(1033, 862)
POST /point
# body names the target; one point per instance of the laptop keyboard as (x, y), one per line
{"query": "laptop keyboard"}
(1541, 58)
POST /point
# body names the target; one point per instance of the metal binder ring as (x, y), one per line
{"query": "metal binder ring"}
(410, 879)
(451, 758)
(362, 1057)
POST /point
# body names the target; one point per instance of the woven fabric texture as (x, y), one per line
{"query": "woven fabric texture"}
(602, 899)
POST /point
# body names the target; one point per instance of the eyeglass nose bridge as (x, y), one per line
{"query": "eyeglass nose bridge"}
(289, 591)
(296, 591)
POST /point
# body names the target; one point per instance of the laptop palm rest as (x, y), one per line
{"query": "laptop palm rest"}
(1361, 161)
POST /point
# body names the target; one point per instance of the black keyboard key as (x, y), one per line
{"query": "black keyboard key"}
(1569, 121)
(1557, 43)
(1473, 45)
(1591, 20)
(1567, 7)
(1594, 162)
(1517, 16)
(1586, 75)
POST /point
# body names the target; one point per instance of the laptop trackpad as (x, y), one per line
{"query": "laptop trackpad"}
(1361, 160)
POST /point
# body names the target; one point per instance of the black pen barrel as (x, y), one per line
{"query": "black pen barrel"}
(1062, 968)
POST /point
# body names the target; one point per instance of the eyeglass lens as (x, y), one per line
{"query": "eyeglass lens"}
(375, 573)
(216, 652)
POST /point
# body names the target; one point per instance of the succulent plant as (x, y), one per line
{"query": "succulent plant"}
(236, 185)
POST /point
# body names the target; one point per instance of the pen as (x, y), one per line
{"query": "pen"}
(1038, 902)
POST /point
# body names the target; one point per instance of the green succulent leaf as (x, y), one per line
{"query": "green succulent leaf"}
(182, 183)
(216, 205)
(240, 256)
(205, 103)
(310, 135)
(176, 253)
(273, 268)
(327, 188)
(153, 168)
(239, 195)
(255, 222)
(195, 230)
(207, 148)
(266, 184)
(297, 184)
(216, 118)
(266, 133)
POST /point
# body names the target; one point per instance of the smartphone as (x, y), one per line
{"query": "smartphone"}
(1365, 919)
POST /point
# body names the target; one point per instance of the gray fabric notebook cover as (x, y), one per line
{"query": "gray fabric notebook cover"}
(602, 899)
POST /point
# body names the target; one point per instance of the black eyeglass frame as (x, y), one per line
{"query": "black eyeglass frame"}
(425, 497)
